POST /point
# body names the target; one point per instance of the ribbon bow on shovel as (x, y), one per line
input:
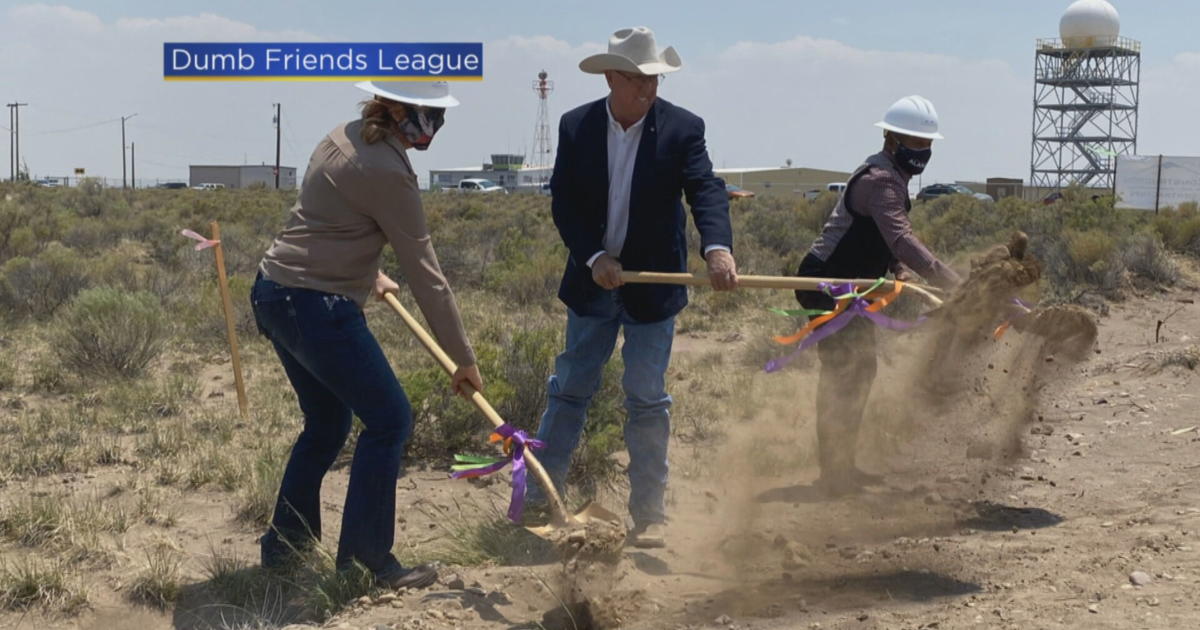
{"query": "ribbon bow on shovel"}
(850, 303)
(514, 442)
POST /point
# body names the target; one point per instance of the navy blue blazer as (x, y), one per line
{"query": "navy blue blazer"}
(672, 161)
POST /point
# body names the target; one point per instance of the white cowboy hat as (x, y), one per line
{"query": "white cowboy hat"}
(633, 50)
(424, 93)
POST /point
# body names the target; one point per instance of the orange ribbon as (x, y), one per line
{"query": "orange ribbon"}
(881, 300)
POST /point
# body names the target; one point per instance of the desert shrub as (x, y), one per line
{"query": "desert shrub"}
(203, 314)
(517, 367)
(89, 199)
(781, 225)
(159, 583)
(955, 223)
(46, 585)
(92, 235)
(1082, 257)
(527, 361)
(243, 248)
(1179, 228)
(107, 331)
(1146, 256)
(36, 287)
(527, 269)
(8, 372)
(46, 375)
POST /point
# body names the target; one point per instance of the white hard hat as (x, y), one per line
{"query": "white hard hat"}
(912, 116)
(423, 93)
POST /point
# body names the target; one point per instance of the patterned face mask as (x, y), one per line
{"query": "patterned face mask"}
(420, 124)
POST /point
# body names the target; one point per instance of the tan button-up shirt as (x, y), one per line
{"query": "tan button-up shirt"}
(355, 198)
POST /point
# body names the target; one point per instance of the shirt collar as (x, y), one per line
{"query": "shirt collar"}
(613, 124)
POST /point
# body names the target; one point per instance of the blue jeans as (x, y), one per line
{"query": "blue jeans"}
(338, 371)
(577, 373)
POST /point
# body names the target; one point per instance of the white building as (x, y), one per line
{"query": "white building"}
(242, 176)
(507, 170)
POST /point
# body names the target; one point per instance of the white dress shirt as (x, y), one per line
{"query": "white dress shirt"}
(622, 157)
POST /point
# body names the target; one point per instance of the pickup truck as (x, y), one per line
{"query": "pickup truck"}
(474, 185)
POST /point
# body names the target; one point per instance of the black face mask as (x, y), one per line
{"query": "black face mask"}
(912, 161)
(419, 125)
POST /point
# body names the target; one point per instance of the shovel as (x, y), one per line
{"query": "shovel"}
(771, 282)
(561, 519)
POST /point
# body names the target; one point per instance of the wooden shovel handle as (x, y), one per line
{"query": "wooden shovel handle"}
(477, 398)
(770, 282)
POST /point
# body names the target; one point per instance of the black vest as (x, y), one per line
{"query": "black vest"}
(860, 253)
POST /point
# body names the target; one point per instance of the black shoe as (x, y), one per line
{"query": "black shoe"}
(276, 554)
(397, 577)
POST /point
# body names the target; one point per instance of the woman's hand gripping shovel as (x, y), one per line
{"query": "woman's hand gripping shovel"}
(561, 520)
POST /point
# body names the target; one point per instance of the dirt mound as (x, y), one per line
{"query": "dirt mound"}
(1067, 329)
(947, 410)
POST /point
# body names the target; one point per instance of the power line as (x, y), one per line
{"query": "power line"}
(79, 128)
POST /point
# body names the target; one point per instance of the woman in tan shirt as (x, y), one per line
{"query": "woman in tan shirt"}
(359, 193)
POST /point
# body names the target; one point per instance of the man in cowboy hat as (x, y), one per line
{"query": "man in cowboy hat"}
(867, 235)
(623, 163)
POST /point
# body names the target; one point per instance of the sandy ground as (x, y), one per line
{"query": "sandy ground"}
(1025, 496)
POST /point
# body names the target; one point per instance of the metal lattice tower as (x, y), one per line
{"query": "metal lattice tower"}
(543, 148)
(1085, 109)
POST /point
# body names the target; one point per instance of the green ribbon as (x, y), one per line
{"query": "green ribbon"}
(816, 312)
(472, 462)
(795, 312)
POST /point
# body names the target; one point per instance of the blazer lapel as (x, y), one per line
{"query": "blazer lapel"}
(597, 128)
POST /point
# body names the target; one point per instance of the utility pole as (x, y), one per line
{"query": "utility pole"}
(14, 138)
(133, 165)
(124, 183)
(278, 124)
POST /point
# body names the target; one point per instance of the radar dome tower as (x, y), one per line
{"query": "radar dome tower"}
(1085, 99)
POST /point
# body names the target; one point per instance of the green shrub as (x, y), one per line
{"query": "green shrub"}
(1179, 228)
(1146, 256)
(107, 331)
(527, 270)
(36, 287)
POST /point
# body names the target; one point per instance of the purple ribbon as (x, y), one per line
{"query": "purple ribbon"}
(857, 308)
(520, 440)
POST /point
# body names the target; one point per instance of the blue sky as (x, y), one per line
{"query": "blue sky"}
(774, 80)
(967, 28)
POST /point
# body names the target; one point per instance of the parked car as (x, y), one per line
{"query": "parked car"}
(208, 186)
(737, 192)
(48, 182)
(477, 185)
(934, 191)
(173, 185)
(1052, 197)
(837, 187)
